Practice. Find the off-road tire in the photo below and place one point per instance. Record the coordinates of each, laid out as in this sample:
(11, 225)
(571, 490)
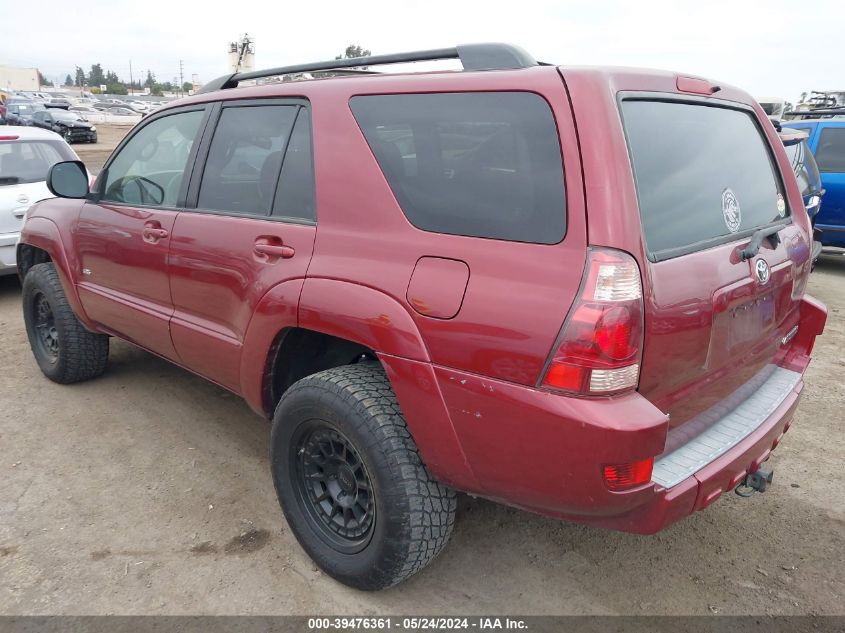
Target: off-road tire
(81, 354)
(414, 514)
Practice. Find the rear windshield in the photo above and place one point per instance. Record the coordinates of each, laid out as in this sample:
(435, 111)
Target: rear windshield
(29, 161)
(484, 164)
(703, 173)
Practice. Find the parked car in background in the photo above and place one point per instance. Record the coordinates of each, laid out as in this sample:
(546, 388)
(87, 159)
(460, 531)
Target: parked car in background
(83, 110)
(72, 127)
(806, 174)
(21, 111)
(62, 104)
(403, 271)
(121, 111)
(26, 155)
(826, 139)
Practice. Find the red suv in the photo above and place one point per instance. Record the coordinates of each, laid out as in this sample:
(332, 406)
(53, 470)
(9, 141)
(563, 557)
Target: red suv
(577, 291)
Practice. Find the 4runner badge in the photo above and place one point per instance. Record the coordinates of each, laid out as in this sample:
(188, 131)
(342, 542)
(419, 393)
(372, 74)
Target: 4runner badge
(762, 269)
(731, 211)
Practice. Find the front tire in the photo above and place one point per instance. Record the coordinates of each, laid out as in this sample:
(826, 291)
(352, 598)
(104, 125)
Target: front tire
(351, 482)
(65, 351)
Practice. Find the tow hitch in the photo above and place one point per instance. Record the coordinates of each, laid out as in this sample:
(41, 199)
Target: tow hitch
(758, 480)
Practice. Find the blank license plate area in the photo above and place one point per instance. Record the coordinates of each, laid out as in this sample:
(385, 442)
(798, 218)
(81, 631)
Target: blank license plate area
(749, 321)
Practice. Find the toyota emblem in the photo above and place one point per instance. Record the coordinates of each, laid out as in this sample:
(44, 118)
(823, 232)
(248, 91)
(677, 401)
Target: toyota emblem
(762, 269)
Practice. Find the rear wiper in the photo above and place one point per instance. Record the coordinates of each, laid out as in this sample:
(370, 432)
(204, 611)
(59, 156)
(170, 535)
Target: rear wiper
(757, 239)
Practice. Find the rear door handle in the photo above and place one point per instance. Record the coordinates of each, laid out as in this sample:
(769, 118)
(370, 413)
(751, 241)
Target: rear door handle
(275, 250)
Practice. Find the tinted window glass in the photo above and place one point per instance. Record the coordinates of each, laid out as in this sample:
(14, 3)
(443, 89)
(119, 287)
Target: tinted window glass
(295, 193)
(245, 158)
(149, 169)
(29, 161)
(702, 173)
(476, 164)
(830, 153)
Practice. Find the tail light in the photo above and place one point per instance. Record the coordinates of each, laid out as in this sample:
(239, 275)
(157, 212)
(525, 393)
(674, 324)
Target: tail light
(599, 348)
(631, 475)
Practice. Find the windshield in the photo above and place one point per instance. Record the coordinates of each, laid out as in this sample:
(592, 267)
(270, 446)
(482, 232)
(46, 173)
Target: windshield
(26, 108)
(29, 161)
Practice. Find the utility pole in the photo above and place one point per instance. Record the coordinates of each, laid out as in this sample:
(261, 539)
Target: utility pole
(130, 77)
(181, 77)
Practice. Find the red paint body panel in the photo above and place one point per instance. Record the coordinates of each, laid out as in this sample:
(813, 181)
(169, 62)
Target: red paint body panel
(124, 280)
(437, 287)
(465, 339)
(217, 281)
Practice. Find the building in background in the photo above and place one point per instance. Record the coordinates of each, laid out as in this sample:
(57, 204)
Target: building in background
(12, 78)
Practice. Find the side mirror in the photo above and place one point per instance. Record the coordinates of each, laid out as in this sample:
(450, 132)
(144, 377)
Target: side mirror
(68, 179)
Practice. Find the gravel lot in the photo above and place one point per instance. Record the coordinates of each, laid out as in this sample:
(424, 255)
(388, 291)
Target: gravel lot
(148, 491)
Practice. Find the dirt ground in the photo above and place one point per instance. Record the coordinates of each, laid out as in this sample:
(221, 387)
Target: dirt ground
(148, 491)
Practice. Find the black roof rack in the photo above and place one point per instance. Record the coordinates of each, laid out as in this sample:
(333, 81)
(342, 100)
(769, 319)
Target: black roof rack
(491, 56)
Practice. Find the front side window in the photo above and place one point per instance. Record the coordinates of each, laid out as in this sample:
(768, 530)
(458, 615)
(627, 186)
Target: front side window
(484, 164)
(245, 159)
(150, 168)
(830, 153)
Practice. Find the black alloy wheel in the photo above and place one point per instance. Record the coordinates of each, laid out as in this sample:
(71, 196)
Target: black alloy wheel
(333, 487)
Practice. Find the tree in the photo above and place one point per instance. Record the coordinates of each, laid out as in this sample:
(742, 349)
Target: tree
(80, 77)
(111, 78)
(68, 80)
(43, 81)
(187, 86)
(150, 80)
(116, 89)
(96, 77)
(354, 50)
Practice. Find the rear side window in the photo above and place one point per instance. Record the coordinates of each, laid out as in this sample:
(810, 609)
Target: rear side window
(703, 173)
(245, 159)
(295, 192)
(830, 153)
(484, 164)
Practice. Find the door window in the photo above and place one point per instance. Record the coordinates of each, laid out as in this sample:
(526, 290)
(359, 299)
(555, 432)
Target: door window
(295, 193)
(245, 159)
(150, 168)
(830, 154)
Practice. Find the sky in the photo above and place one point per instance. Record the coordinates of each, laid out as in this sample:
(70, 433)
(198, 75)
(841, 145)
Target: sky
(774, 48)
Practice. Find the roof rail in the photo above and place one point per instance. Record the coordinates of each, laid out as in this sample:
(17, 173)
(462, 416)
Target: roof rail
(816, 113)
(491, 56)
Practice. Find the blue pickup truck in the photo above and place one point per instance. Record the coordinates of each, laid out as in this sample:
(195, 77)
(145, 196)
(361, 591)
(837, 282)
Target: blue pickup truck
(827, 142)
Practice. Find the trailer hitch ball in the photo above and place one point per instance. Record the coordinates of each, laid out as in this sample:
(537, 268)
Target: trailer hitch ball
(757, 481)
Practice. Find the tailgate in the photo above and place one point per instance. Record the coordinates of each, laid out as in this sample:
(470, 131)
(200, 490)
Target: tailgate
(706, 182)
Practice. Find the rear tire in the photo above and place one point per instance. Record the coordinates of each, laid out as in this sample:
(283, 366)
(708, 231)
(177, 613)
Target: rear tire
(351, 482)
(65, 351)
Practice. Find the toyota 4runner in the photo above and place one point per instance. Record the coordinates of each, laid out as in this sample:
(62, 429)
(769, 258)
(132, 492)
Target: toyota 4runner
(578, 291)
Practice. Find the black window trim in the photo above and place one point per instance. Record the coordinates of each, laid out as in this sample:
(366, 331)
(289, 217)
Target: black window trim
(204, 147)
(566, 185)
(672, 97)
(95, 196)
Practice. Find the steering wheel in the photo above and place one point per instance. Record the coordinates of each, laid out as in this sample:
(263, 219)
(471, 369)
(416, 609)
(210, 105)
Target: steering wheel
(146, 189)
